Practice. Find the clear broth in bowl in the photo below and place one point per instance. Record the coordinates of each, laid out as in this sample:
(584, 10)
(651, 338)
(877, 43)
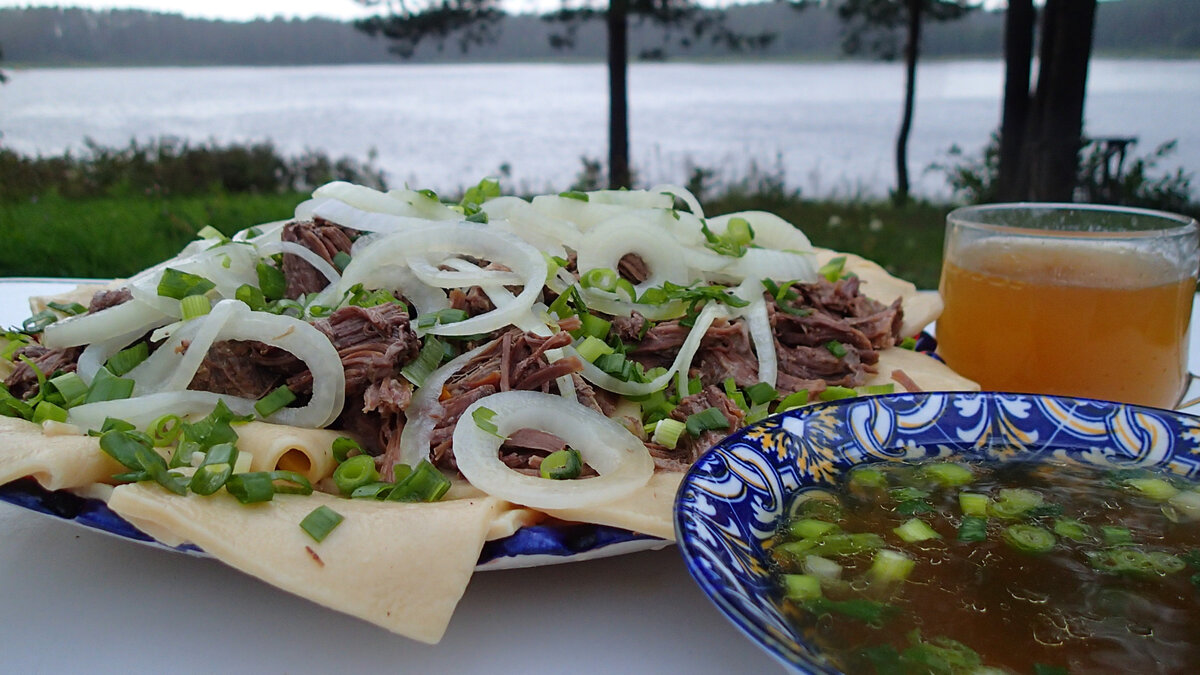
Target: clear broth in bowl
(1018, 567)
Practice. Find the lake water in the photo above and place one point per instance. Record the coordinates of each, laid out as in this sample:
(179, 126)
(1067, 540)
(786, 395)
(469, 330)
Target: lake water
(829, 127)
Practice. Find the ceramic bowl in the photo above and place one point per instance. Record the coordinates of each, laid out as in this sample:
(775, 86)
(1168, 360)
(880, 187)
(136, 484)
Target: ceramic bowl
(733, 496)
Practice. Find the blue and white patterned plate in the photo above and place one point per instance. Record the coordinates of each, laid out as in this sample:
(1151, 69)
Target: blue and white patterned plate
(735, 493)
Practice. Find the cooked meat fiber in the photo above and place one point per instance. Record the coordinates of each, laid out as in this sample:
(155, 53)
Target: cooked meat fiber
(690, 447)
(633, 268)
(102, 300)
(22, 382)
(321, 237)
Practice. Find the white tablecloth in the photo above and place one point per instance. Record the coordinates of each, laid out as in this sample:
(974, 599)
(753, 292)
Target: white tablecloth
(76, 600)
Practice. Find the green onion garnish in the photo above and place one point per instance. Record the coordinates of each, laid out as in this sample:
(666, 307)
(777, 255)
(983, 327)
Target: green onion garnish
(667, 432)
(706, 420)
(71, 387)
(867, 478)
(178, 284)
(947, 474)
(1069, 528)
(127, 359)
(38, 322)
(274, 401)
(320, 522)
(426, 362)
(252, 296)
(592, 348)
(194, 306)
(483, 420)
(972, 528)
(574, 194)
(1116, 536)
(340, 260)
(908, 343)
(270, 281)
(810, 528)
(595, 326)
(441, 317)
(761, 392)
(108, 387)
(973, 504)
(215, 470)
(68, 308)
(835, 393)
(354, 473)
(832, 270)
(1029, 538)
(424, 484)
(600, 278)
(165, 430)
(47, 411)
(343, 446)
(801, 587)
(794, 400)
(1013, 503)
(561, 465)
(252, 487)
(914, 530)
(890, 566)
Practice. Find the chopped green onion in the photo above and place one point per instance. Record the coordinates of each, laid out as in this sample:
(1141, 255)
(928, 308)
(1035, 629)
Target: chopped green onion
(320, 522)
(426, 362)
(890, 566)
(595, 326)
(178, 284)
(972, 528)
(625, 287)
(832, 270)
(483, 420)
(38, 322)
(127, 359)
(561, 465)
(1029, 538)
(424, 484)
(794, 400)
(1013, 503)
(908, 343)
(108, 387)
(810, 528)
(216, 468)
(166, 430)
(45, 410)
(1069, 528)
(343, 446)
(739, 231)
(1155, 489)
(877, 389)
(442, 317)
(835, 393)
(914, 530)
(71, 387)
(1116, 536)
(290, 483)
(836, 348)
(706, 420)
(667, 432)
(761, 392)
(867, 478)
(154, 465)
(270, 281)
(948, 474)
(274, 401)
(372, 491)
(1133, 562)
(973, 504)
(801, 587)
(593, 348)
(68, 308)
(210, 232)
(600, 278)
(868, 611)
(252, 296)
(340, 260)
(734, 395)
(251, 487)
(574, 194)
(194, 306)
(355, 473)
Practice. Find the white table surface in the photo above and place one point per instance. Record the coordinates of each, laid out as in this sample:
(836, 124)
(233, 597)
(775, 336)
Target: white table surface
(74, 600)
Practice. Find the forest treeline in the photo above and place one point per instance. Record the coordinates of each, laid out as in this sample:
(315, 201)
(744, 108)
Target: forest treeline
(51, 36)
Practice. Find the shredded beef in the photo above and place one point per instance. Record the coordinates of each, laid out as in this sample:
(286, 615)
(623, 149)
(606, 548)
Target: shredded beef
(22, 382)
(514, 361)
(632, 267)
(726, 352)
(689, 447)
(321, 237)
(229, 368)
(629, 328)
(102, 300)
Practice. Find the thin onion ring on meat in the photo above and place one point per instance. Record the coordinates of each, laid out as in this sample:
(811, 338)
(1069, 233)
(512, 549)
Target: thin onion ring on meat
(617, 455)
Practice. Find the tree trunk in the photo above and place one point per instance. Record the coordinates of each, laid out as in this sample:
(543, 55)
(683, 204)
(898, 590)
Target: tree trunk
(1018, 62)
(618, 101)
(1055, 134)
(911, 49)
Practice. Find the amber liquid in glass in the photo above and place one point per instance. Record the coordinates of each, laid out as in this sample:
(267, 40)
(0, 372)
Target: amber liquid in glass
(1075, 319)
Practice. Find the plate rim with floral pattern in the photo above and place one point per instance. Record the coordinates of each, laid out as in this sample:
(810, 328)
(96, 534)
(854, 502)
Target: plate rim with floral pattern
(732, 496)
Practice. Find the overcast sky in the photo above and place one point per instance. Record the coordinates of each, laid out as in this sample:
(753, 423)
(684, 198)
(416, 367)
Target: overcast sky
(240, 10)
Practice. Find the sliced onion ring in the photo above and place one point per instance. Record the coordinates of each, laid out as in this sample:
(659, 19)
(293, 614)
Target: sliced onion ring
(617, 455)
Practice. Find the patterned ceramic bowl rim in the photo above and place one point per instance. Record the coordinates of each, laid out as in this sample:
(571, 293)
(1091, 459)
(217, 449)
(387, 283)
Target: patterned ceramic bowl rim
(731, 498)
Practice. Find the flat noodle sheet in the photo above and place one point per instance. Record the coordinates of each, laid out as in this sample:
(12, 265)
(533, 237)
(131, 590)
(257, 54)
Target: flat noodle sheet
(57, 462)
(403, 567)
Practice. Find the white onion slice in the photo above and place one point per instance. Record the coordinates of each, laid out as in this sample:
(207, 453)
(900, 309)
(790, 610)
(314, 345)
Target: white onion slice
(770, 231)
(617, 455)
(604, 245)
(305, 254)
(368, 221)
(144, 410)
(363, 198)
(101, 326)
(414, 437)
(680, 192)
(473, 275)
